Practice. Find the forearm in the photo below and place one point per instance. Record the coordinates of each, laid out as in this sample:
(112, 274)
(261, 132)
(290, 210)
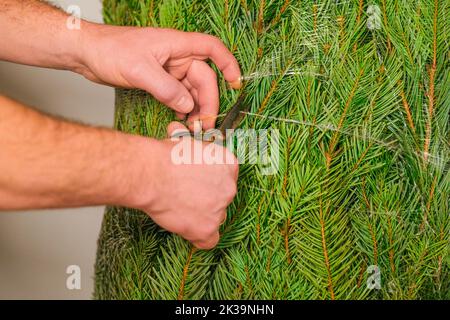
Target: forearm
(35, 33)
(50, 163)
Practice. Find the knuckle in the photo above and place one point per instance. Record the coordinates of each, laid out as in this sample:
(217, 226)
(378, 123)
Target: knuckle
(134, 71)
(209, 243)
(214, 40)
(217, 218)
(233, 190)
(215, 240)
(208, 229)
(235, 167)
(221, 217)
(230, 193)
(181, 229)
(216, 43)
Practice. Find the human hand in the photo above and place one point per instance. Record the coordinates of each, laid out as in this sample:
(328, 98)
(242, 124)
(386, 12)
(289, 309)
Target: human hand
(168, 64)
(187, 199)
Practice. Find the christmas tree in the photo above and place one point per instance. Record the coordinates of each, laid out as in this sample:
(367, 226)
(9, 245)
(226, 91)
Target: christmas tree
(358, 206)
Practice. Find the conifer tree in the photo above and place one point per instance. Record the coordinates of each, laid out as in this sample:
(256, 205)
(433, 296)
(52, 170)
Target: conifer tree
(359, 206)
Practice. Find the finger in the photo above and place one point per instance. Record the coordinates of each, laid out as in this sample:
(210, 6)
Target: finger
(154, 79)
(180, 116)
(204, 80)
(214, 49)
(175, 127)
(208, 244)
(185, 82)
(223, 217)
(194, 94)
(194, 115)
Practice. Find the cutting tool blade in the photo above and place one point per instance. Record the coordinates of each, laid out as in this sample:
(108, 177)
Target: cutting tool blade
(235, 116)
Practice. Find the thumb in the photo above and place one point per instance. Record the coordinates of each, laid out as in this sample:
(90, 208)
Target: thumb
(175, 128)
(164, 87)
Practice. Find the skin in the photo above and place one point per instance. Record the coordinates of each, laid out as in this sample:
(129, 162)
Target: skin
(52, 163)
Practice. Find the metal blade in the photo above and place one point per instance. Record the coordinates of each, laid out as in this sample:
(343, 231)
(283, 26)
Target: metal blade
(234, 116)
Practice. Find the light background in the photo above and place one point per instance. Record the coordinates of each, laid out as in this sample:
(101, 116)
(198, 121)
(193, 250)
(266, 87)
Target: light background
(36, 247)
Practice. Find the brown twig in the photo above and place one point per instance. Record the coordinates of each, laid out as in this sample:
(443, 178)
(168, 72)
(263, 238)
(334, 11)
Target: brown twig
(185, 273)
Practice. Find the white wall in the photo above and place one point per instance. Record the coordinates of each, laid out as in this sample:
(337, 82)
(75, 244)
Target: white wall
(36, 247)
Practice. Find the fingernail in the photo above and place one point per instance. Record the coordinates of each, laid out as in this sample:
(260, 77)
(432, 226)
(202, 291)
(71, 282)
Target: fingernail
(237, 84)
(185, 104)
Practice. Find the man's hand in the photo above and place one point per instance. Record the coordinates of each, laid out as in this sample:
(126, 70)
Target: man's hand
(188, 199)
(51, 163)
(168, 64)
(47, 163)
